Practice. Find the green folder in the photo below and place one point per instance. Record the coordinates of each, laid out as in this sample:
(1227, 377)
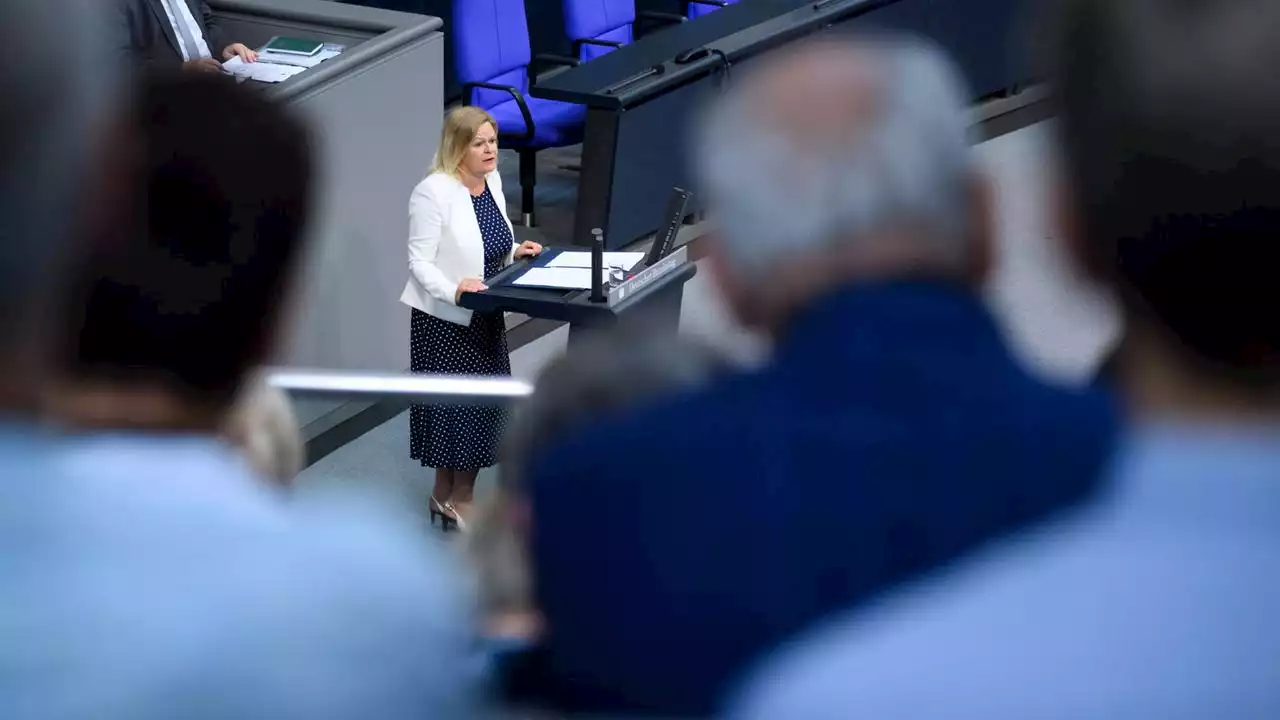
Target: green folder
(293, 46)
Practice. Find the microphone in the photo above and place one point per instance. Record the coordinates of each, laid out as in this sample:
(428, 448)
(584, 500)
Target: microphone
(597, 265)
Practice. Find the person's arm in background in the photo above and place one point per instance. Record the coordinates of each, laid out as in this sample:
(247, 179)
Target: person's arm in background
(129, 49)
(218, 45)
(133, 49)
(213, 35)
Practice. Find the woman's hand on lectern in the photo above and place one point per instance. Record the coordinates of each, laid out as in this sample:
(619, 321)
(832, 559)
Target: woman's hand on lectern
(528, 248)
(468, 285)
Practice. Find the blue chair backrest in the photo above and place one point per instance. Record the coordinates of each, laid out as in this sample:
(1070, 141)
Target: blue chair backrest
(491, 44)
(698, 9)
(609, 20)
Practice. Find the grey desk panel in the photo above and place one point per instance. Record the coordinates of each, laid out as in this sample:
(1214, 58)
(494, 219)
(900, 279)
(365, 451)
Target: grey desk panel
(377, 110)
(380, 130)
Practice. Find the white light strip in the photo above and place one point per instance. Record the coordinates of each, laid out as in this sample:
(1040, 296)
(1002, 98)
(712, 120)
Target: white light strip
(443, 389)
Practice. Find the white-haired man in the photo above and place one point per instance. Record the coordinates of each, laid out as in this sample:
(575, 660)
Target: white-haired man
(891, 432)
(1157, 599)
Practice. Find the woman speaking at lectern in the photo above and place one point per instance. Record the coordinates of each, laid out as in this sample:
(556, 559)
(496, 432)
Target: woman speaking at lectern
(459, 236)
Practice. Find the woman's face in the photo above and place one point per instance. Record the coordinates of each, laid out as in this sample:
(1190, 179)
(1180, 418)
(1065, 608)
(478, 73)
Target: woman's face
(482, 155)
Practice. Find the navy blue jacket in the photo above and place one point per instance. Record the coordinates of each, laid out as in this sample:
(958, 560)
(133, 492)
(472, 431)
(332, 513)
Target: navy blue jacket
(892, 433)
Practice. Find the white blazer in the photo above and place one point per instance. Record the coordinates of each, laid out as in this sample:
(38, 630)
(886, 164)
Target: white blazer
(445, 244)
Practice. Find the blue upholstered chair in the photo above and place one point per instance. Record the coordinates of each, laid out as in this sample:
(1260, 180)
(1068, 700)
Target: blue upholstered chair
(698, 8)
(495, 68)
(599, 26)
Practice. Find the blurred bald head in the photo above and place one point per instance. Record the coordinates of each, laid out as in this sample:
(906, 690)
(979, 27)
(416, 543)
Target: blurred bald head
(840, 147)
(53, 93)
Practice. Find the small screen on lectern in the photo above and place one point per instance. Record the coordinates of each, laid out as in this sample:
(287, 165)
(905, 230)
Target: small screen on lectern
(665, 239)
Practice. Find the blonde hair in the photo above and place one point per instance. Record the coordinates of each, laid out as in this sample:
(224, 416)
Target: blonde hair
(461, 125)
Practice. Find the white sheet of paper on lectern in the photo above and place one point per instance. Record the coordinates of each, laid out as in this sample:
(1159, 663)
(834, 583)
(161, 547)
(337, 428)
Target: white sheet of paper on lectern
(579, 259)
(567, 278)
(260, 71)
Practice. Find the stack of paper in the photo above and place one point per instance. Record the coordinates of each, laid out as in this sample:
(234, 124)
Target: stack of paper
(305, 61)
(577, 259)
(261, 71)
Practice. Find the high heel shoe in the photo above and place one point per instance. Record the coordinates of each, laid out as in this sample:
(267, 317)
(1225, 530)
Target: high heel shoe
(452, 512)
(448, 520)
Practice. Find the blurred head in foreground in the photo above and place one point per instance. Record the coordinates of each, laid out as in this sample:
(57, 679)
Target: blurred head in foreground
(52, 106)
(1170, 122)
(850, 162)
(184, 296)
(601, 377)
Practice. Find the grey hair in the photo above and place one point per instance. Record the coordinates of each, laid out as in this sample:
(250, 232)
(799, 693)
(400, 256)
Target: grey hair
(777, 195)
(55, 93)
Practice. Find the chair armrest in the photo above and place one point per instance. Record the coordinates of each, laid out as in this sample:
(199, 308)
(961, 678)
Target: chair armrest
(550, 60)
(577, 44)
(661, 18)
(712, 3)
(520, 103)
(650, 20)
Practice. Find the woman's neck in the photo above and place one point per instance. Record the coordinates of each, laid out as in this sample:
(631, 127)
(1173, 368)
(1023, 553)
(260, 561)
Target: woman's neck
(473, 183)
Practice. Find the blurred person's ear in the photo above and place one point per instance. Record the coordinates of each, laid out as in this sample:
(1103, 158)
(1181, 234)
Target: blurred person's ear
(983, 246)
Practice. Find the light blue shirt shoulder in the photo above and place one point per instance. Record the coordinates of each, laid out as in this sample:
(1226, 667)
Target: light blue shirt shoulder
(1160, 600)
(157, 578)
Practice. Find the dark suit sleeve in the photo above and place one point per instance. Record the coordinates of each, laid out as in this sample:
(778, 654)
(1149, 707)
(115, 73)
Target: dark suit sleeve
(126, 43)
(213, 34)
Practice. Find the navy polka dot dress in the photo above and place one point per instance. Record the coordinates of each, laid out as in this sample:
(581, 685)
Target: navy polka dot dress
(461, 437)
